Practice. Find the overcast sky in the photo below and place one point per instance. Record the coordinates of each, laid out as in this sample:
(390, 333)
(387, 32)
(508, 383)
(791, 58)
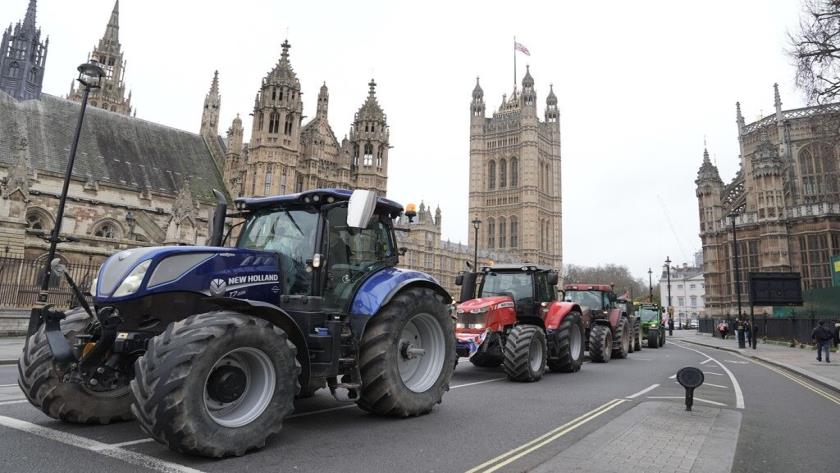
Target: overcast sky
(639, 86)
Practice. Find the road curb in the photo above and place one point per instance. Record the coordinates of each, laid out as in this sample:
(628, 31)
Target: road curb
(807, 374)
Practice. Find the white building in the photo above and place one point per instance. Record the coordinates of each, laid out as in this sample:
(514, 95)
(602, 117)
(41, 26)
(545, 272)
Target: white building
(688, 292)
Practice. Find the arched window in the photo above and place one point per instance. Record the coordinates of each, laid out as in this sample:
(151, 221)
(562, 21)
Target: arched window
(356, 156)
(514, 175)
(260, 121)
(818, 169)
(289, 125)
(274, 122)
(368, 159)
(491, 175)
(283, 181)
(14, 70)
(106, 230)
(502, 232)
(267, 182)
(35, 221)
(491, 233)
(502, 173)
(33, 75)
(379, 160)
(514, 232)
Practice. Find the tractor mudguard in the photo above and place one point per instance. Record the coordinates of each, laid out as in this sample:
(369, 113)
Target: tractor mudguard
(557, 311)
(614, 317)
(377, 290)
(278, 317)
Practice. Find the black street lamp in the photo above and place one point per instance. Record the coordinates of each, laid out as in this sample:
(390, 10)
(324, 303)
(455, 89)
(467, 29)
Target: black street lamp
(476, 223)
(741, 340)
(90, 76)
(670, 308)
(650, 285)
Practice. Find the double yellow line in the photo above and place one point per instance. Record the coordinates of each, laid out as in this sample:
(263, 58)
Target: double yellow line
(831, 397)
(519, 452)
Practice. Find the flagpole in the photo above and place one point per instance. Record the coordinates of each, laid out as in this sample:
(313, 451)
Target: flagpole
(514, 62)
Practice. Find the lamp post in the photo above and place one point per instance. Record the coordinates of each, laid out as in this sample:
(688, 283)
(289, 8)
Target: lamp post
(739, 324)
(90, 76)
(650, 285)
(476, 223)
(670, 308)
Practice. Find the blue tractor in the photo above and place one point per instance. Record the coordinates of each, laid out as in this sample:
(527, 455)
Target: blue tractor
(208, 346)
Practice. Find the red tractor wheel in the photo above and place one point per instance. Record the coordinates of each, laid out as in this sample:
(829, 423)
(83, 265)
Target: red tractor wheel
(621, 342)
(525, 353)
(600, 343)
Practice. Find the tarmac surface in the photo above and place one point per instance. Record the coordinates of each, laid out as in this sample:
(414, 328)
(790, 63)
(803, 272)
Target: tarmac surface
(749, 415)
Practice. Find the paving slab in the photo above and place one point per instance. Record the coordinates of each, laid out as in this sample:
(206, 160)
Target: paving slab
(656, 436)
(799, 360)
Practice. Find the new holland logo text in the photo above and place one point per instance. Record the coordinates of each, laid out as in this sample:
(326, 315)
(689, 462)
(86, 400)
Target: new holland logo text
(252, 278)
(236, 285)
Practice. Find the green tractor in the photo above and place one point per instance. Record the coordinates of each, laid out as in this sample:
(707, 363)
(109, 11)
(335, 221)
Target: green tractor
(652, 324)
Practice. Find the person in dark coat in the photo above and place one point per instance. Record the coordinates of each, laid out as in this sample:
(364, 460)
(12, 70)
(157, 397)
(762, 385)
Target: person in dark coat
(823, 337)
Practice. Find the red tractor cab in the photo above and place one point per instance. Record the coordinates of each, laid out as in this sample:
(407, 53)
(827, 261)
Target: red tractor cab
(510, 315)
(610, 331)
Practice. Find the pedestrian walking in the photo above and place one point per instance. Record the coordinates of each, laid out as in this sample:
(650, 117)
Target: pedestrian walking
(748, 332)
(723, 329)
(823, 337)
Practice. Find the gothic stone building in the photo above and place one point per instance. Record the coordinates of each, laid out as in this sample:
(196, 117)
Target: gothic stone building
(786, 196)
(515, 176)
(22, 58)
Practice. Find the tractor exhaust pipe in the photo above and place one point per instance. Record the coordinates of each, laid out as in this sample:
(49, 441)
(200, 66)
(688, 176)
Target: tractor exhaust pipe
(217, 224)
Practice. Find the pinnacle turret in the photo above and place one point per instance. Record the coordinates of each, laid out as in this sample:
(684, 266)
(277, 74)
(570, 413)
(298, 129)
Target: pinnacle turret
(29, 19)
(323, 102)
(708, 172)
(478, 92)
(527, 81)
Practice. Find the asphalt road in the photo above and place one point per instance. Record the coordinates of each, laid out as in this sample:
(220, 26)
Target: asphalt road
(788, 424)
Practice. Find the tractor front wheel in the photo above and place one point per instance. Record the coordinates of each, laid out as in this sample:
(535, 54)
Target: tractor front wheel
(653, 339)
(600, 343)
(68, 401)
(569, 340)
(406, 355)
(637, 335)
(216, 384)
(622, 340)
(525, 353)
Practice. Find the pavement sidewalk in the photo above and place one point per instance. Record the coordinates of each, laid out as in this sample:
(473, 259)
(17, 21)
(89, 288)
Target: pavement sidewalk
(802, 361)
(10, 349)
(656, 437)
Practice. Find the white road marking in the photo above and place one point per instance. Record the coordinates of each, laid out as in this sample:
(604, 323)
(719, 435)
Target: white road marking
(475, 383)
(739, 395)
(13, 401)
(716, 385)
(8, 385)
(683, 397)
(673, 376)
(643, 391)
(737, 362)
(705, 361)
(713, 373)
(128, 456)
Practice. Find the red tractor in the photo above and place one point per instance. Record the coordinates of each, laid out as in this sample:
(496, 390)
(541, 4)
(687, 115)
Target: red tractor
(610, 333)
(509, 315)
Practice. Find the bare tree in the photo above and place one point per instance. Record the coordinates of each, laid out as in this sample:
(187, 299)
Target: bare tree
(609, 274)
(816, 50)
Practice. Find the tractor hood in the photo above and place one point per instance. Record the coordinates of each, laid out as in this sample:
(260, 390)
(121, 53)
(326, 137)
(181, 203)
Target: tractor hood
(211, 271)
(483, 304)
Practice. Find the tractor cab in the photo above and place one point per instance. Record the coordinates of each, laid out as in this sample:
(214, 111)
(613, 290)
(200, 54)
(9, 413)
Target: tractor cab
(526, 290)
(599, 298)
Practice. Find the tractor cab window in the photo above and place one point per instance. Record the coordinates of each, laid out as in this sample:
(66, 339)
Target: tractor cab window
(592, 299)
(352, 254)
(545, 292)
(648, 315)
(290, 234)
(518, 284)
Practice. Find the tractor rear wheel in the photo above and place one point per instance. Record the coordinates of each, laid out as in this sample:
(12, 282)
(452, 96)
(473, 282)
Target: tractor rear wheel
(406, 355)
(525, 353)
(70, 402)
(621, 342)
(490, 353)
(569, 341)
(216, 384)
(662, 339)
(653, 339)
(637, 335)
(631, 347)
(600, 343)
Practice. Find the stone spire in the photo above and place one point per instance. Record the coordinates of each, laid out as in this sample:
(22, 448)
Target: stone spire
(323, 102)
(777, 101)
(210, 114)
(708, 172)
(552, 113)
(477, 106)
(739, 119)
(22, 58)
(112, 30)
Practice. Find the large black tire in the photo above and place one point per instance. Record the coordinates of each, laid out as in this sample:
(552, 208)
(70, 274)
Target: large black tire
(600, 343)
(653, 339)
(662, 339)
(569, 345)
(383, 390)
(637, 335)
(490, 353)
(525, 353)
(631, 347)
(171, 383)
(621, 342)
(70, 402)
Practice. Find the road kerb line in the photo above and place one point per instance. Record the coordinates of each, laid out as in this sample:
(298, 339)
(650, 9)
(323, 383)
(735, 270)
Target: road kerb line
(544, 439)
(801, 382)
(643, 391)
(739, 395)
(128, 456)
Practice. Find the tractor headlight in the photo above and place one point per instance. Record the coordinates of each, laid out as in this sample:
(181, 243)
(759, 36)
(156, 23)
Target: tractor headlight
(477, 326)
(131, 283)
(480, 310)
(459, 325)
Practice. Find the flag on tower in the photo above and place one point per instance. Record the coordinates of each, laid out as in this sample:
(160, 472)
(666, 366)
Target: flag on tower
(521, 47)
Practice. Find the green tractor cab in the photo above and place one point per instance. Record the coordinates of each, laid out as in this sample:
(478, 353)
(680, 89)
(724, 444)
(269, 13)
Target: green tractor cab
(652, 324)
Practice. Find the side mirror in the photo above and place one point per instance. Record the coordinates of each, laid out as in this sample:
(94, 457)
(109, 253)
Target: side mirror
(217, 221)
(553, 278)
(468, 280)
(459, 280)
(360, 208)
